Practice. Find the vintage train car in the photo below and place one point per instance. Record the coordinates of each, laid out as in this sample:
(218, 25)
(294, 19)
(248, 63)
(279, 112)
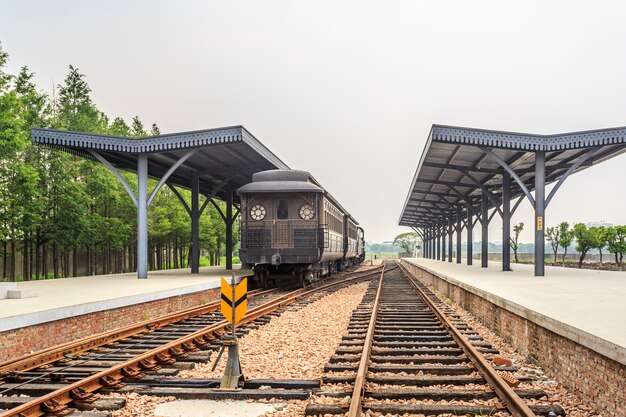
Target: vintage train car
(292, 227)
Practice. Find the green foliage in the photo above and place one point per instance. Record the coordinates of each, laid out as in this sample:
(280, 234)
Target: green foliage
(616, 243)
(406, 241)
(585, 240)
(566, 237)
(57, 205)
(553, 235)
(517, 229)
(601, 240)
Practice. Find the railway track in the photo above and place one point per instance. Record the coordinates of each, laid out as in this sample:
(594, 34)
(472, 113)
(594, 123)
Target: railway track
(56, 381)
(406, 352)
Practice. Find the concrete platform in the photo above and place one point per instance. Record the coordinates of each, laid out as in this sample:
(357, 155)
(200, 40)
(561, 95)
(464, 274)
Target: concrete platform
(586, 306)
(68, 297)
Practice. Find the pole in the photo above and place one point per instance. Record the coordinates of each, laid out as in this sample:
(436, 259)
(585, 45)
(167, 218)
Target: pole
(229, 230)
(438, 242)
(458, 234)
(506, 221)
(449, 239)
(232, 284)
(195, 223)
(470, 239)
(443, 242)
(142, 216)
(485, 231)
(540, 221)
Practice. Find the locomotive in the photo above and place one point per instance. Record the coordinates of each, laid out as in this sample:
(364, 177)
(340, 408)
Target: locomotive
(292, 227)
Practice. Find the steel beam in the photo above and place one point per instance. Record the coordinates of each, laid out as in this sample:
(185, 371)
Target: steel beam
(229, 230)
(142, 216)
(458, 234)
(438, 242)
(443, 241)
(506, 221)
(449, 239)
(540, 221)
(195, 223)
(484, 217)
(470, 238)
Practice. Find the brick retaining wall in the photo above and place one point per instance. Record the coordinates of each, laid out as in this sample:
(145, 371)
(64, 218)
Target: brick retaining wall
(21, 341)
(594, 377)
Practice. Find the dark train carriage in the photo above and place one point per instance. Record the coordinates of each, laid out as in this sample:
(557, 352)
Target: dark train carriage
(290, 226)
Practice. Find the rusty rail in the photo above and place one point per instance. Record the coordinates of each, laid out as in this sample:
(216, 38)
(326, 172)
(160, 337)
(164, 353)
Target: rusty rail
(56, 401)
(513, 402)
(356, 406)
(58, 352)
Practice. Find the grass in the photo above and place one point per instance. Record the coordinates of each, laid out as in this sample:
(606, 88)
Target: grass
(205, 261)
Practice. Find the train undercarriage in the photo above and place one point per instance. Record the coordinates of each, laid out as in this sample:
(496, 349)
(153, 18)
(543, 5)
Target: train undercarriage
(268, 276)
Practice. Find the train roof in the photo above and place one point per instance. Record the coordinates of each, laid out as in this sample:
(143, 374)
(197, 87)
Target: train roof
(288, 180)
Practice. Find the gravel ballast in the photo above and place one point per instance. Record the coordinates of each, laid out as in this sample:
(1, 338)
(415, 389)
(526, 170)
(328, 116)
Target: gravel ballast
(295, 345)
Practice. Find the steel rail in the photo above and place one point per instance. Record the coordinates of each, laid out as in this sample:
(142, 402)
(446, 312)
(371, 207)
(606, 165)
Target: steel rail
(58, 352)
(112, 376)
(356, 405)
(513, 402)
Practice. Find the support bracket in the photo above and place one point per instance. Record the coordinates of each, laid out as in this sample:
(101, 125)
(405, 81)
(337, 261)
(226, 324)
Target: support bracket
(169, 173)
(115, 172)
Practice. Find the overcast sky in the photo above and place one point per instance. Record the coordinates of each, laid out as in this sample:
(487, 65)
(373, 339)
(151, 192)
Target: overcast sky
(348, 90)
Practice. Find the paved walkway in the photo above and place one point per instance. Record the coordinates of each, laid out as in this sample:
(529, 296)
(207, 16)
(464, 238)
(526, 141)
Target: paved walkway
(66, 297)
(584, 305)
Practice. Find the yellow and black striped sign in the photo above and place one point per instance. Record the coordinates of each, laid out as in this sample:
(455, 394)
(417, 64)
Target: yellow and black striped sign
(234, 300)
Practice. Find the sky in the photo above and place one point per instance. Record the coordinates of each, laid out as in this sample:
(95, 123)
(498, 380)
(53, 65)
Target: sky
(348, 90)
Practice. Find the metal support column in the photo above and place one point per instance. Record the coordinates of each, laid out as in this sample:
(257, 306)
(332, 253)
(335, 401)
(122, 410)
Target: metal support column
(458, 234)
(425, 253)
(470, 238)
(430, 243)
(195, 223)
(229, 230)
(484, 214)
(443, 242)
(540, 221)
(449, 239)
(438, 242)
(506, 221)
(142, 216)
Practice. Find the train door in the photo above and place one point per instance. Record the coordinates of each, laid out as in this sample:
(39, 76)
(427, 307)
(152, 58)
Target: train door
(282, 228)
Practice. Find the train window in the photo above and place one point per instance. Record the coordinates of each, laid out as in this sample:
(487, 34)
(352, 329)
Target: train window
(283, 210)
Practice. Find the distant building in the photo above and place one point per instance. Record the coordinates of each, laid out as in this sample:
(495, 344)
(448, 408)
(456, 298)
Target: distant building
(599, 224)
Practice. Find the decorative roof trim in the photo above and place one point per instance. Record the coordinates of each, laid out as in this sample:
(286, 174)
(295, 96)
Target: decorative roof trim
(528, 142)
(184, 140)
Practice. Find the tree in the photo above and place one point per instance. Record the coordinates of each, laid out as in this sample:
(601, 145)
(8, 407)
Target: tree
(553, 235)
(517, 229)
(155, 131)
(566, 237)
(406, 241)
(585, 240)
(616, 242)
(137, 129)
(601, 240)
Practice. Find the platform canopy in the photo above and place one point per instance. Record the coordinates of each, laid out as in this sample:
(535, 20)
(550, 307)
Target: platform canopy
(212, 162)
(466, 172)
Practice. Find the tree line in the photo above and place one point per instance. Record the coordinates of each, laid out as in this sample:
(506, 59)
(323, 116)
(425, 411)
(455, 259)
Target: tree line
(609, 238)
(58, 210)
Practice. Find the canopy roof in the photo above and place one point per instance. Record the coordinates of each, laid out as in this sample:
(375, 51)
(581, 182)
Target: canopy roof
(458, 163)
(228, 155)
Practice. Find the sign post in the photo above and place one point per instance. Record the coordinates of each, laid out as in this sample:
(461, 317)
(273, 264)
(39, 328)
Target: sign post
(234, 306)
